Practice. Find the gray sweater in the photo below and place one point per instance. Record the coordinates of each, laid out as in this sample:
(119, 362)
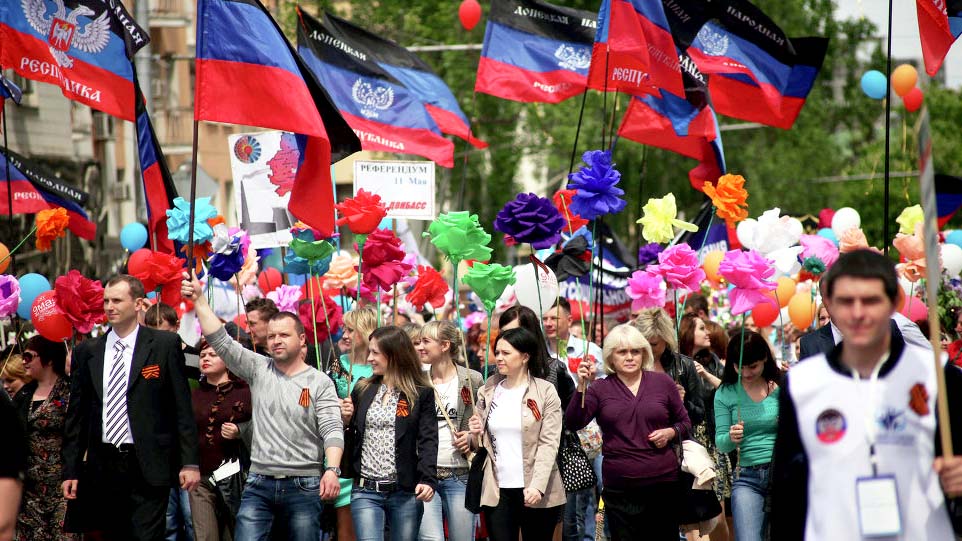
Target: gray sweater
(289, 439)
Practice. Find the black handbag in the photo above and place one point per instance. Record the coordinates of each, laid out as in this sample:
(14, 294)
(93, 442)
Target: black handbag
(472, 492)
(577, 472)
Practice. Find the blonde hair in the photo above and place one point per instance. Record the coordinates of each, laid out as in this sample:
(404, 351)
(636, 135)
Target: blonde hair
(363, 320)
(655, 323)
(445, 331)
(14, 369)
(627, 336)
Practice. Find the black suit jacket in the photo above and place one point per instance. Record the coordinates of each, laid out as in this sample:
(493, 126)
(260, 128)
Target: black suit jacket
(161, 418)
(815, 342)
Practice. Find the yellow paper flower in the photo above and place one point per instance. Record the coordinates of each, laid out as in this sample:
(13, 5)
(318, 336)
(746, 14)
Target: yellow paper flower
(909, 218)
(658, 218)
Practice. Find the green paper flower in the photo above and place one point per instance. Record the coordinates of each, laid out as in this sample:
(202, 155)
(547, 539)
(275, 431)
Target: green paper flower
(814, 266)
(489, 281)
(312, 251)
(459, 236)
(909, 218)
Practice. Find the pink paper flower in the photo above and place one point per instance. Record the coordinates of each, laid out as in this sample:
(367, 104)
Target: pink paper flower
(912, 250)
(286, 298)
(749, 273)
(9, 295)
(679, 267)
(647, 290)
(820, 247)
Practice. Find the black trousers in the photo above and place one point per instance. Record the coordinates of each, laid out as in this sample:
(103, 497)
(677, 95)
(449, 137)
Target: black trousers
(511, 516)
(130, 508)
(650, 511)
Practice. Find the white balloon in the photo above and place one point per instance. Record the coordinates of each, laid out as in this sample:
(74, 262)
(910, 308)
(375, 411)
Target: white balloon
(795, 228)
(845, 218)
(951, 259)
(745, 231)
(526, 288)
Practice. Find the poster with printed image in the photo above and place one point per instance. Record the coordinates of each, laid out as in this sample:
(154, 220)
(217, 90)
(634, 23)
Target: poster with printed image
(263, 166)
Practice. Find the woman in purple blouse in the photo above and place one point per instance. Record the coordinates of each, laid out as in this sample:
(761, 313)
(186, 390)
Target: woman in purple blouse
(640, 413)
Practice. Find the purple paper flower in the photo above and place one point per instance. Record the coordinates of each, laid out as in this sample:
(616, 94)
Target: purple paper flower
(649, 253)
(647, 290)
(820, 247)
(749, 272)
(9, 295)
(596, 182)
(679, 267)
(224, 265)
(532, 219)
(286, 297)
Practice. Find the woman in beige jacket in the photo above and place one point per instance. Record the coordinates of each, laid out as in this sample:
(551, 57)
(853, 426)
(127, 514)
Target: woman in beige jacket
(518, 419)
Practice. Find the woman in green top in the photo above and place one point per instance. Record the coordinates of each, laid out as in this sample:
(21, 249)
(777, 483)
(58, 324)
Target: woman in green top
(358, 326)
(746, 417)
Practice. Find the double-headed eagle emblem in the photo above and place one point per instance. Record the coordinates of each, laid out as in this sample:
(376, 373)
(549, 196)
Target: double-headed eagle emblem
(372, 99)
(572, 58)
(64, 30)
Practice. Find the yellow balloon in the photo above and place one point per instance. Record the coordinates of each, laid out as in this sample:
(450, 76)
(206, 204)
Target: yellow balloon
(4, 252)
(904, 78)
(785, 290)
(801, 310)
(711, 263)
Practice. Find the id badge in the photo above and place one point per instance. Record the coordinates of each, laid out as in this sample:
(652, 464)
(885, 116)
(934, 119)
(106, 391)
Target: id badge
(878, 506)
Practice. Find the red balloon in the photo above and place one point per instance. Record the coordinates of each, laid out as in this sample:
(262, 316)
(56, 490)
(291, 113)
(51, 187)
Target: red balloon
(48, 319)
(136, 263)
(913, 100)
(470, 14)
(765, 313)
(269, 280)
(241, 321)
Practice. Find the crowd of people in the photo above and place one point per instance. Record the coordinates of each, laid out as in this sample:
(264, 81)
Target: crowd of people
(664, 427)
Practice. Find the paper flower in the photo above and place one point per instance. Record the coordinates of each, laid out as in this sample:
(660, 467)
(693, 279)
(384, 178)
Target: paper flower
(315, 250)
(163, 271)
(178, 220)
(326, 325)
(367, 293)
(572, 261)
(819, 247)
(459, 236)
(679, 267)
(532, 219)
(658, 219)
(728, 195)
(776, 237)
(825, 218)
(646, 289)
(909, 218)
(342, 271)
(81, 300)
(649, 253)
(430, 288)
(489, 281)
(286, 297)
(749, 272)
(853, 239)
(912, 250)
(247, 273)
(562, 201)
(51, 224)
(597, 193)
(10, 295)
(228, 262)
(220, 240)
(383, 260)
(361, 213)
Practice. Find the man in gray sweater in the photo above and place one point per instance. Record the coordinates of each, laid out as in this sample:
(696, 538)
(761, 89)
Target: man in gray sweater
(297, 425)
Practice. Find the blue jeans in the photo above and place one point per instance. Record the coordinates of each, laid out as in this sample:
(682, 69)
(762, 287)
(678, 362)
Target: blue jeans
(448, 502)
(294, 501)
(180, 526)
(748, 502)
(575, 514)
(369, 508)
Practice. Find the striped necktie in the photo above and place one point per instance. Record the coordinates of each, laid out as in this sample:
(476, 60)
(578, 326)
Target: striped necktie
(115, 405)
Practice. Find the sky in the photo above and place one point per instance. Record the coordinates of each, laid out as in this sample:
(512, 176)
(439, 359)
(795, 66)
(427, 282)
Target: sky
(905, 33)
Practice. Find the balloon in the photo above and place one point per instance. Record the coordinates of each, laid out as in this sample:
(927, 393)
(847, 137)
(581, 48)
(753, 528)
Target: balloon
(765, 313)
(745, 231)
(845, 218)
(915, 309)
(31, 286)
(904, 78)
(4, 252)
(133, 236)
(470, 13)
(828, 234)
(527, 290)
(874, 84)
(711, 263)
(913, 100)
(955, 238)
(951, 259)
(785, 290)
(48, 319)
(801, 310)
(269, 280)
(137, 260)
(241, 321)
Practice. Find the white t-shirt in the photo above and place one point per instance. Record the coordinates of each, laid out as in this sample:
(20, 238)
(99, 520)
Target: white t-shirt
(448, 455)
(504, 426)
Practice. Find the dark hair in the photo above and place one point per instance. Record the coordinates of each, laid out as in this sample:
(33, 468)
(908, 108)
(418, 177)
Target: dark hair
(756, 349)
(161, 313)
(529, 321)
(564, 304)
(49, 352)
(298, 325)
(864, 264)
(686, 334)
(265, 306)
(696, 303)
(526, 342)
(136, 286)
(404, 365)
(719, 339)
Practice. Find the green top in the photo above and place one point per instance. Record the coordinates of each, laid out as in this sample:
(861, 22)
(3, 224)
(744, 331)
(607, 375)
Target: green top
(340, 382)
(761, 423)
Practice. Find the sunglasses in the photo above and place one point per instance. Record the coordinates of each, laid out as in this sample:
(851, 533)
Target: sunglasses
(28, 356)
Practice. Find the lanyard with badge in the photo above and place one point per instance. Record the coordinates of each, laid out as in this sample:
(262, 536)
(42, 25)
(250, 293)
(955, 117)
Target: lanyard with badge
(876, 495)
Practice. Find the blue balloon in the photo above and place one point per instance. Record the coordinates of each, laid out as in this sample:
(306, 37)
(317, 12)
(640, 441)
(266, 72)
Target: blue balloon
(31, 286)
(133, 236)
(151, 294)
(828, 234)
(386, 223)
(955, 237)
(874, 84)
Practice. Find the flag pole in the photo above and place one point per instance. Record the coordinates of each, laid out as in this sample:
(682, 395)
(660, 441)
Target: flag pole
(6, 161)
(193, 196)
(888, 120)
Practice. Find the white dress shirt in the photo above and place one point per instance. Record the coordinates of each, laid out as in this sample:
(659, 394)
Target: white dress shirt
(127, 358)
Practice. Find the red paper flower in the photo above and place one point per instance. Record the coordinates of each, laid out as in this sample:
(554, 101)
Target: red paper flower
(562, 201)
(382, 263)
(361, 213)
(325, 326)
(162, 270)
(81, 300)
(430, 288)
(51, 224)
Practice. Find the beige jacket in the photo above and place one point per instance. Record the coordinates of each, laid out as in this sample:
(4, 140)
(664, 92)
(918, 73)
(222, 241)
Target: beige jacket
(539, 445)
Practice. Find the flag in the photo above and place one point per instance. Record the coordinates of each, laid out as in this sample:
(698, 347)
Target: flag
(382, 111)
(35, 189)
(412, 72)
(83, 46)
(940, 24)
(248, 73)
(8, 90)
(159, 190)
(948, 197)
(535, 51)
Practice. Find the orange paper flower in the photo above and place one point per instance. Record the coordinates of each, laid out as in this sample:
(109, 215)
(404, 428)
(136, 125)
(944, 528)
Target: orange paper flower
(854, 239)
(729, 195)
(912, 249)
(51, 224)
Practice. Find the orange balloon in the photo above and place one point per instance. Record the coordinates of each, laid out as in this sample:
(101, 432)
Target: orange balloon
(785, 290)
(904, 78)
(4, 253)
(711, 263)
(801, 310)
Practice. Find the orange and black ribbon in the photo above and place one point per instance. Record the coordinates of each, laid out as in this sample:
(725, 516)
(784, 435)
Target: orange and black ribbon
(465, 395)
(305, 399)
(402, 408)
(533, 406)
(919, 400)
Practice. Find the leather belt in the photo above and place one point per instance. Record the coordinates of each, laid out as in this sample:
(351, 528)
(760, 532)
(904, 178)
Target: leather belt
(376, 486)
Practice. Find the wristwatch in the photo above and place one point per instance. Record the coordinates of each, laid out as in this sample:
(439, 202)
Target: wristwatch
(335, 469)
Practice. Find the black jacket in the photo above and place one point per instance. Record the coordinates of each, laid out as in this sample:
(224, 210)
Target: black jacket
(681, 369)
(815, 342)
(415, 435)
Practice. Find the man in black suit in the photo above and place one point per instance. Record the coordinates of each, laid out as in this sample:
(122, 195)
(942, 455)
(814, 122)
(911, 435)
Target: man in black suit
(130, 414)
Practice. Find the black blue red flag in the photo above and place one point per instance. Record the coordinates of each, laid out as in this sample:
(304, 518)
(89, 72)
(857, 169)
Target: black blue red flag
(248, 73)
(159, 189)
(535, 51)
(9, 91)
(948, 197)
(35, 189)
(940, 24)
(83, 46)
(412, 72)
(383, 112)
